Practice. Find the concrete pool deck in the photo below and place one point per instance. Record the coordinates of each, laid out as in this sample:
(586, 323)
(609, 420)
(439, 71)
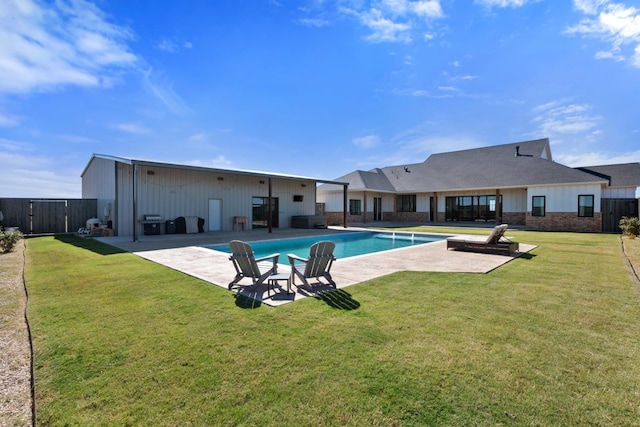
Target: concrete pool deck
(184, 253)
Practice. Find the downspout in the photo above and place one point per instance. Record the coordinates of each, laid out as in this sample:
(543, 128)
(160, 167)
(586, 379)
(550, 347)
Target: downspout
(270, 208)
(344, 206)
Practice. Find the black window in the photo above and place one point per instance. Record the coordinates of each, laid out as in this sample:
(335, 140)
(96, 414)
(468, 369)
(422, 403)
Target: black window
(585, 205)
(472, 208)
(538, 205)
(406, 203)
(354, 207)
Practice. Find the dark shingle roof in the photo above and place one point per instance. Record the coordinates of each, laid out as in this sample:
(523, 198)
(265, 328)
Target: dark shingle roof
(497, 166)
(622, 175)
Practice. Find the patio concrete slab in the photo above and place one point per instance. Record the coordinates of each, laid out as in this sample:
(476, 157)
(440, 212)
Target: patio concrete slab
(185, 255)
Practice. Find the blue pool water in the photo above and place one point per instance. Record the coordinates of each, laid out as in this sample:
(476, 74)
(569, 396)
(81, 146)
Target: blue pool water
(347, 244)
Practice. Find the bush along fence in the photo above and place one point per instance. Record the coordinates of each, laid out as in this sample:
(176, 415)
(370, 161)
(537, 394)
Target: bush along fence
(46, 216)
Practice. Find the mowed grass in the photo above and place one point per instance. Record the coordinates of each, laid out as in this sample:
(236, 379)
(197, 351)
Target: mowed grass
(549, 339)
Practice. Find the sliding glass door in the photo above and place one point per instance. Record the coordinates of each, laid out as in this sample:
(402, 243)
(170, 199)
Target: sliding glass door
(260, 212)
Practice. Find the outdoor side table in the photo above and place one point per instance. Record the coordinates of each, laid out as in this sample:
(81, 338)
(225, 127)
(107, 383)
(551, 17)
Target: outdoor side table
(275, 278)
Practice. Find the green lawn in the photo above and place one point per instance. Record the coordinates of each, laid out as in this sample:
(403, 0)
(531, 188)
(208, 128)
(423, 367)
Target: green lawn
(549, 339)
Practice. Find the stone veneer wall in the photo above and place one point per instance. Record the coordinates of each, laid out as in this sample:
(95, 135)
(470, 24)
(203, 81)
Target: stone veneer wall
(335, 218)
(554, 221)
(565, 221)
(515, 218)
(406, 216)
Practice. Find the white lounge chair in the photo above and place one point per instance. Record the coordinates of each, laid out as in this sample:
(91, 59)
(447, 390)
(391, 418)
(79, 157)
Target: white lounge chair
(248, 266)
(316, 266)
(493, 243)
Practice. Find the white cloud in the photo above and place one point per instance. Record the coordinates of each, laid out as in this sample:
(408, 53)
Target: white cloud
(219, 162)
(198, 137)
(429, 9)
(162, 90)
(608, 55)
(171, 46)
(313, 22)
(46, 45)
(9, 145)
(133, 128)
(167, 46)
(636, 57)
(9, 120)
(395, 20)
(614, 23)
(589, 6)
(384, 29)
(77, 139)
(366, 142)
(417, 144)
(24, 172)
(556, 117)
(449, 89)
(502, 3)
(596, 158)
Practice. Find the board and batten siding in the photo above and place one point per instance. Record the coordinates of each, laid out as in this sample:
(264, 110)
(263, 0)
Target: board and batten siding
(620, 193)
(122, 221)
(565, 198)
(334, 201)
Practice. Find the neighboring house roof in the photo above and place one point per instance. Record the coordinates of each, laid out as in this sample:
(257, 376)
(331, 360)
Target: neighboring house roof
(518, 164)
(622, 175)
(152, 163)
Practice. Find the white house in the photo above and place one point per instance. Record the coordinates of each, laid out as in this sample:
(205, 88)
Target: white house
(517, 183)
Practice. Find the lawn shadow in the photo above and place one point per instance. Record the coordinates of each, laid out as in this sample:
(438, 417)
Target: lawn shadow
(338, 299)
(526, 255)
(89, 244)
(247, 301)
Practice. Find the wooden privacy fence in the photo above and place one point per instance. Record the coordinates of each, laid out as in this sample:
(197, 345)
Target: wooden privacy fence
(613, 210)
(46, 216)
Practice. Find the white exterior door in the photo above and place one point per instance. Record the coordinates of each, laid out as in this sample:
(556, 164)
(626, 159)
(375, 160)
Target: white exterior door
(215, 214)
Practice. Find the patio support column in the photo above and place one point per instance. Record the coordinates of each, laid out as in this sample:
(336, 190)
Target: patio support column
(134, 194)
(270, 217)
(344, 205)
(364, 217)
(435, 205)
(498, 206)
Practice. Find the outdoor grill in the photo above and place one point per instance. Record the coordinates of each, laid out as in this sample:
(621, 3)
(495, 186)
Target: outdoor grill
(151, 224)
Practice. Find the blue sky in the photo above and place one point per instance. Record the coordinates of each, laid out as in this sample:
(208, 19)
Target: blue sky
(315, 88)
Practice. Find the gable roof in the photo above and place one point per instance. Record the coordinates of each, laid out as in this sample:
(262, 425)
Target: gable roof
(621, 175)
(518, 164)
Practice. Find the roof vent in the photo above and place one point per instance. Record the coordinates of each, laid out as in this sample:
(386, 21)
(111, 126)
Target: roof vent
(517, 151)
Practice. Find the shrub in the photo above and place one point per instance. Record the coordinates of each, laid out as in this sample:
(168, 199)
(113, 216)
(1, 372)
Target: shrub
(630, 226)
(8, 240)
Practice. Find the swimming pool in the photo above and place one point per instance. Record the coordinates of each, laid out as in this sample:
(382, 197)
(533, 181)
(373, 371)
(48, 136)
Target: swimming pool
(348, 244)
